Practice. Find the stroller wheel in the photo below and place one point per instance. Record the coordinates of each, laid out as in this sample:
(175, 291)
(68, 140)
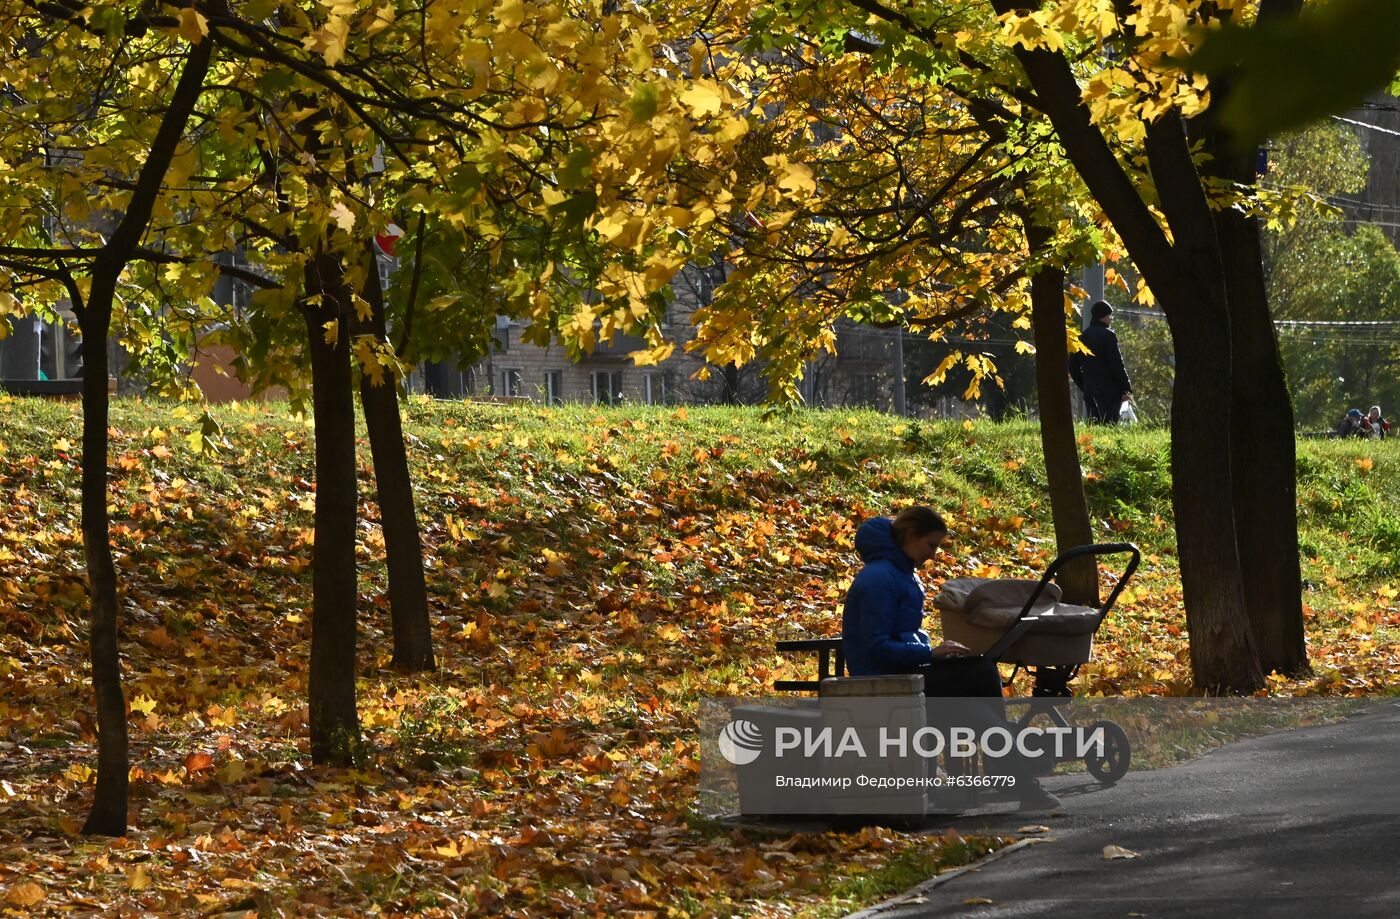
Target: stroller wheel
(1112, 765)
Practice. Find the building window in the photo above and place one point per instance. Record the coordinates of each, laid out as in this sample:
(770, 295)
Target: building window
(607, 386)
(655, 388)
(553, 387)
(511, 383)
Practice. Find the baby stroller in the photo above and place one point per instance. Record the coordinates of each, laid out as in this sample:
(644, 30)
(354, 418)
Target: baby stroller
(1026, 623)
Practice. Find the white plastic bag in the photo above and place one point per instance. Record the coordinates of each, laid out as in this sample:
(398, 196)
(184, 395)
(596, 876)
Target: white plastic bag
(1126, 415)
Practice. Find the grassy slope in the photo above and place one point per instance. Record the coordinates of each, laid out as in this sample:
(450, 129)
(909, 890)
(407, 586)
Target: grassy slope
(593, 573)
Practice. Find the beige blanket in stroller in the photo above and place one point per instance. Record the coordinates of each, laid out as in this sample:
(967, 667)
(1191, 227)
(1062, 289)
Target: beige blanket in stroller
(978, 611)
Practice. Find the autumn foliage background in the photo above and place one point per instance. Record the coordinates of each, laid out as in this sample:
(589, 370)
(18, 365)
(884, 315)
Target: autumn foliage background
(593, 574)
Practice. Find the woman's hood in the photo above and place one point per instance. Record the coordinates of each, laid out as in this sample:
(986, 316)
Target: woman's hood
(875, 542)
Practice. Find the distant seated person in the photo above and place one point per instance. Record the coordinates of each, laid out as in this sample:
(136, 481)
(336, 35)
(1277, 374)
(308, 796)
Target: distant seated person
(882, 625)
(1351, 424)
(1375, 425)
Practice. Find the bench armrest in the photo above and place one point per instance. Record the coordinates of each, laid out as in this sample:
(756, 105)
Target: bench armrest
(824, 648)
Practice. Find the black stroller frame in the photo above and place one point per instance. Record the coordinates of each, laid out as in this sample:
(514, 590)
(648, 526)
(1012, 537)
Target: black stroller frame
(1050, 693)
(1051, 682)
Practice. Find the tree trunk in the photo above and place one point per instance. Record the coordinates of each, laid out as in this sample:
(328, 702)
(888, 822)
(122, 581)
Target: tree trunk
(335, 722)
(1080, 578)
(998, 406)
(1262, 447)
(1223, 658)
(403, 546)
(1187, 280)
(729, 375)
(109, 804)
(1223, 655)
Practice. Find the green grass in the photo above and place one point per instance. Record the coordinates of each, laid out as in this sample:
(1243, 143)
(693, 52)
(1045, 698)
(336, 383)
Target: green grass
(691, 539)
(1349, 523)
(847, 892)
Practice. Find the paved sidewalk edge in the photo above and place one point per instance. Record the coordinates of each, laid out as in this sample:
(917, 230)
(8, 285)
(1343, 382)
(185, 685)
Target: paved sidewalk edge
(938, 879)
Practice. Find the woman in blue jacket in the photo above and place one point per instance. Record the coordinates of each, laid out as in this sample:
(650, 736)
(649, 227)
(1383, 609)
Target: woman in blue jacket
(882, 625)
(882, 628)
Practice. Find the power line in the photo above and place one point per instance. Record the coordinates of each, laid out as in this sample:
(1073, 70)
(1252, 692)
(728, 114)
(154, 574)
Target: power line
(1320, 323)
(1359, 203)
(1367, 125)
(1350, 323)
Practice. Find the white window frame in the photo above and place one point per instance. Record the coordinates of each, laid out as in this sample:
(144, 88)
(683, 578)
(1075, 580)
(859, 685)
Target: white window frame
(613, 384)
(553, 387)
(654, 388)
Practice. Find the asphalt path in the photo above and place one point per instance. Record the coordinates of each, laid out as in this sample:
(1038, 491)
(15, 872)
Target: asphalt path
(1302, 823)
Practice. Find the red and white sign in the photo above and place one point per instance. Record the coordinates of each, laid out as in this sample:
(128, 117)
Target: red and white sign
(388, 240)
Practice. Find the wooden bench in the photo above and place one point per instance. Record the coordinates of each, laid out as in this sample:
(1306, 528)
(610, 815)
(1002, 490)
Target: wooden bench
(831, 661)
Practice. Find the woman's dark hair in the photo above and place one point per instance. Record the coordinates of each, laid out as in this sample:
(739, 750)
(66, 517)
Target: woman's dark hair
(915, 522)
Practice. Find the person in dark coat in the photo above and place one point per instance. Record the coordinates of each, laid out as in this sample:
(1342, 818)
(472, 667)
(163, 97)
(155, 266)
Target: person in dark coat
(882, 626)
(1352, 424)
(1101, 375)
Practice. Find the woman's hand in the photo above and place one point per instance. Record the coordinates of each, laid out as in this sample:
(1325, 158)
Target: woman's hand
(951, 648)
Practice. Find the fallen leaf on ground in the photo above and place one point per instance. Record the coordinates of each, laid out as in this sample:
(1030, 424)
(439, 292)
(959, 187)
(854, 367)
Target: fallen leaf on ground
(1112, 852)
(24, 895)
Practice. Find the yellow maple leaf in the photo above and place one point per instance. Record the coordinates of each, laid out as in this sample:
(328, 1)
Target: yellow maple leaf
(193, 26)
(509, 15)
(732, 130)
(368, 358)
(139, 879)
(363, 310)
(380, 20)
(330, 40)
(343, 216)
(703, 99)
(233, 772)
(797, 179)
(699, 52)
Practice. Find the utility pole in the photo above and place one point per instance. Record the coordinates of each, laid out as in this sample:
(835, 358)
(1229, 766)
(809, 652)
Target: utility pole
(1093, 290)
(900, 408)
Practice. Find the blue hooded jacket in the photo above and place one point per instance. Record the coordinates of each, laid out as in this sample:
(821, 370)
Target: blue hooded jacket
(884, 614)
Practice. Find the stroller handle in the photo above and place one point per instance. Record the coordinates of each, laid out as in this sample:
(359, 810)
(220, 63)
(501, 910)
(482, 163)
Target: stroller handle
(1023, 624)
